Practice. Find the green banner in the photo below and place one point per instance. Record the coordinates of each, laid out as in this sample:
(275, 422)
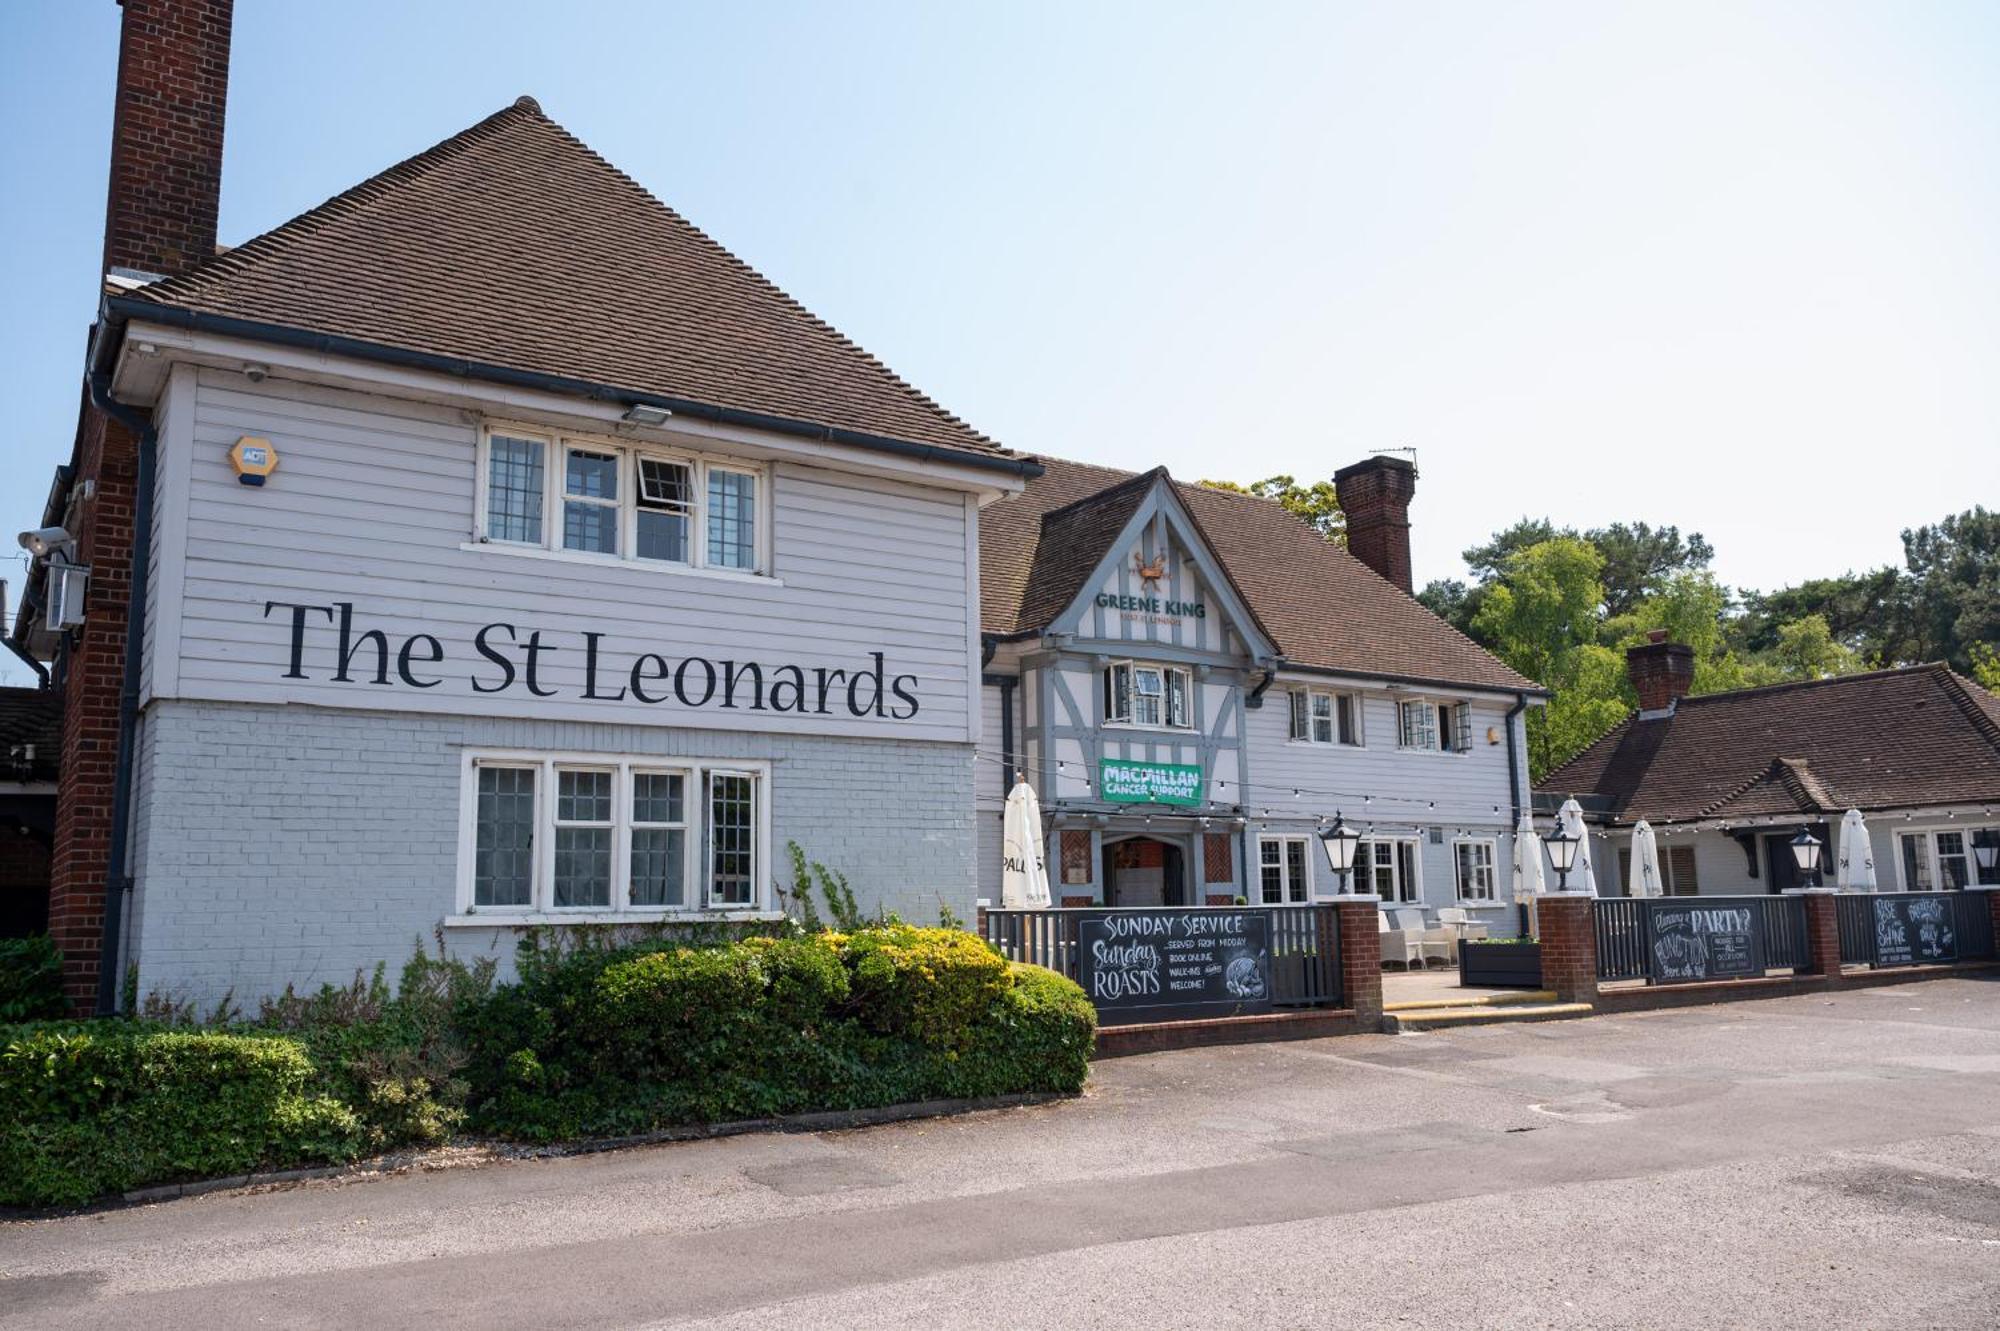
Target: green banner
(1148, 783)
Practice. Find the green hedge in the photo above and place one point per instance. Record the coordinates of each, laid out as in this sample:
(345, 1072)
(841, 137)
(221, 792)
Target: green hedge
(86, 1111)
(30, 979)
(611, 1042)
(592, 1040)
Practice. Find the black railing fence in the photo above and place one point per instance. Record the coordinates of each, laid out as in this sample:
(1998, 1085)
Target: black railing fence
(1860, 939)
(1304, 940)
(1625, 931)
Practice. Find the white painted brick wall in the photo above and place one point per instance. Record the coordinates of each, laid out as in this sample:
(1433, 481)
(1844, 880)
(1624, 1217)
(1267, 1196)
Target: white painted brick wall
(295, 844)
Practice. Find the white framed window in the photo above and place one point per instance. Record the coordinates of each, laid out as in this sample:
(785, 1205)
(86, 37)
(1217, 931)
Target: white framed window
(1942, 859)
(1472, 861)
(1142, 694)
(610, 500)
(1389, 868)
(1321, 716)
(1282, 875)
(586, 837)
(1431, 726)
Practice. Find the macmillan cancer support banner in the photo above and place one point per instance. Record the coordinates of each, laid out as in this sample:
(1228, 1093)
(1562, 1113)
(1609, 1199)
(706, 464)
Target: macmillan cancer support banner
(1122, 782)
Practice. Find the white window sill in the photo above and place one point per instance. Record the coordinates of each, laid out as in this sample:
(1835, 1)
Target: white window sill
(1141, 728)
(613, 561)
(500, 919)
(1329, 744)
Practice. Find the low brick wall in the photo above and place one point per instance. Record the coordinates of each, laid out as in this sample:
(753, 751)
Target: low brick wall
(1635, 996)
(1158, 1036)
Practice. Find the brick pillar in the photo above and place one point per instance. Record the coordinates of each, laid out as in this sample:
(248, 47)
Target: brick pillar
(1822, 930)
(1361, 957)
(92, 670)
(1569, 945)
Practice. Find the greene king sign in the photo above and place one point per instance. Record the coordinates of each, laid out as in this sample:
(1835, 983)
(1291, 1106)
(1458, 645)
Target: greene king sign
(1148, 783)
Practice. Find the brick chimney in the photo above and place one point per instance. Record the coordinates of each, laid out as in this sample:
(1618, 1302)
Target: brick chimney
(159, 217)
(166, 135)
(1661, 672)
(1375, 496)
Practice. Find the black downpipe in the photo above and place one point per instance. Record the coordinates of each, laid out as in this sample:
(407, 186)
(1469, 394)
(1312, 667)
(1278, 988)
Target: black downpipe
(41, 671)
(1007, 687)
(116, 880)
(1255, 699)
(1514, 788)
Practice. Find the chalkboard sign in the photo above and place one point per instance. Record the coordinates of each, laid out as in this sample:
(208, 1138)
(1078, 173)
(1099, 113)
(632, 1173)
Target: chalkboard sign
(1142, 965)
(1706, 943)
(1914, 930)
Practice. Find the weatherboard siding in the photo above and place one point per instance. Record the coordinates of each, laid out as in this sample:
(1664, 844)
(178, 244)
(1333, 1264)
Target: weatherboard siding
(1467, 788)
(374, 498)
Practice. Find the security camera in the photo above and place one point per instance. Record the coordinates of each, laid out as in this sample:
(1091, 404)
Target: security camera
(256, 373)
(40, 542)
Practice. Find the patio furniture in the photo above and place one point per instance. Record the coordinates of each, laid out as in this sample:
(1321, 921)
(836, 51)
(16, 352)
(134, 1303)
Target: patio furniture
(1460, 919)
(1432, 942)
(1399, 945)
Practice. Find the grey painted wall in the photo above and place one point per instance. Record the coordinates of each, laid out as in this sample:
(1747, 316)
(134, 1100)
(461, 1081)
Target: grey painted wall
(374, 498)
(296, 844)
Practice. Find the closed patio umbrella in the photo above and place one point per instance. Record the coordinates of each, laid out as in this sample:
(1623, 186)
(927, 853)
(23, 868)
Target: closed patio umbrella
(1527, 862)
(1581, 879)
(1024, 876)
(1855, 870)
(1646, 881)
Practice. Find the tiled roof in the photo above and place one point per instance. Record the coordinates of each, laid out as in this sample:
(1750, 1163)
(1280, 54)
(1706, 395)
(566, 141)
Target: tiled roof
(513, 244)
(1325, 609)
(29, 717)
(1917, 737)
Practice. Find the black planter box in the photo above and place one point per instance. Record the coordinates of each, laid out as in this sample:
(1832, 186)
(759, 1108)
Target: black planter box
(1500, 965)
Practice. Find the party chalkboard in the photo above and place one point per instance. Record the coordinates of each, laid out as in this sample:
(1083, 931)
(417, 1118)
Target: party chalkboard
(1911, 930)
(1140, 965)
(1706, 943)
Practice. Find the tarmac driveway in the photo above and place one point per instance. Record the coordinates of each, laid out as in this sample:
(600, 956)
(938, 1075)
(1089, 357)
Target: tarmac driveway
(1804, 1161)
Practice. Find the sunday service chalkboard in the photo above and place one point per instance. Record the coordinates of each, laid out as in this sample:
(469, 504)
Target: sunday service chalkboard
(1913, 930)
(1706, 943)
(1141, 965)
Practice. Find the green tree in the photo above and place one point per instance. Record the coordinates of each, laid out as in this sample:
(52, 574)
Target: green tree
(1986, 666)
(1807, 649)
(1639, 559)
(1541, 616)
(1954, 586)
(1864, 611)
(1316, 504)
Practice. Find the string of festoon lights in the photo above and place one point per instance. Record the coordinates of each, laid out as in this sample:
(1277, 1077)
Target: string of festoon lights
(1365, 806)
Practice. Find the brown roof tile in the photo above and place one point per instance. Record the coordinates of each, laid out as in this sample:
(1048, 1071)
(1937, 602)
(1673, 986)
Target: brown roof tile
(1921, 736)
(1325, 609)
(513, 244)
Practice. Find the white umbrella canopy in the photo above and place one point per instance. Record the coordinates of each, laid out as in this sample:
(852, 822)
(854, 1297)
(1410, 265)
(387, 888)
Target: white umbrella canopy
(1527, 861)
(1581, 879)
(1645, 863)
(1024, 877)
(1855, 869)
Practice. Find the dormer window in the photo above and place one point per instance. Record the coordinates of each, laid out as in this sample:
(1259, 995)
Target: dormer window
(1139, 693)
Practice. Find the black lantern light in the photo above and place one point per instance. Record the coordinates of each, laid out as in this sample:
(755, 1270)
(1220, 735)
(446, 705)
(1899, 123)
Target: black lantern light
(1340, 842)
(1986, 850)
(1562, 854)
(1805, 855)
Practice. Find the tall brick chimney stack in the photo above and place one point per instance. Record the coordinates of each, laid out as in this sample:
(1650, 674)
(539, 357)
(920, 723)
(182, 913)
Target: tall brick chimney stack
(159, 217)
(166, 135)
(1662, 672)
(1375, 495)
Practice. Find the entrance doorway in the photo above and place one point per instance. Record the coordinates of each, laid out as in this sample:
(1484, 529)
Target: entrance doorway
(1141, 871)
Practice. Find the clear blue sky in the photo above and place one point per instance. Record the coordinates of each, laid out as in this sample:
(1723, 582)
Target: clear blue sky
(1732, 267)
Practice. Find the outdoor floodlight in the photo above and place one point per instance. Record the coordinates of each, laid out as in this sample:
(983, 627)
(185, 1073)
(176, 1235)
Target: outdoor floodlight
(644, 413)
